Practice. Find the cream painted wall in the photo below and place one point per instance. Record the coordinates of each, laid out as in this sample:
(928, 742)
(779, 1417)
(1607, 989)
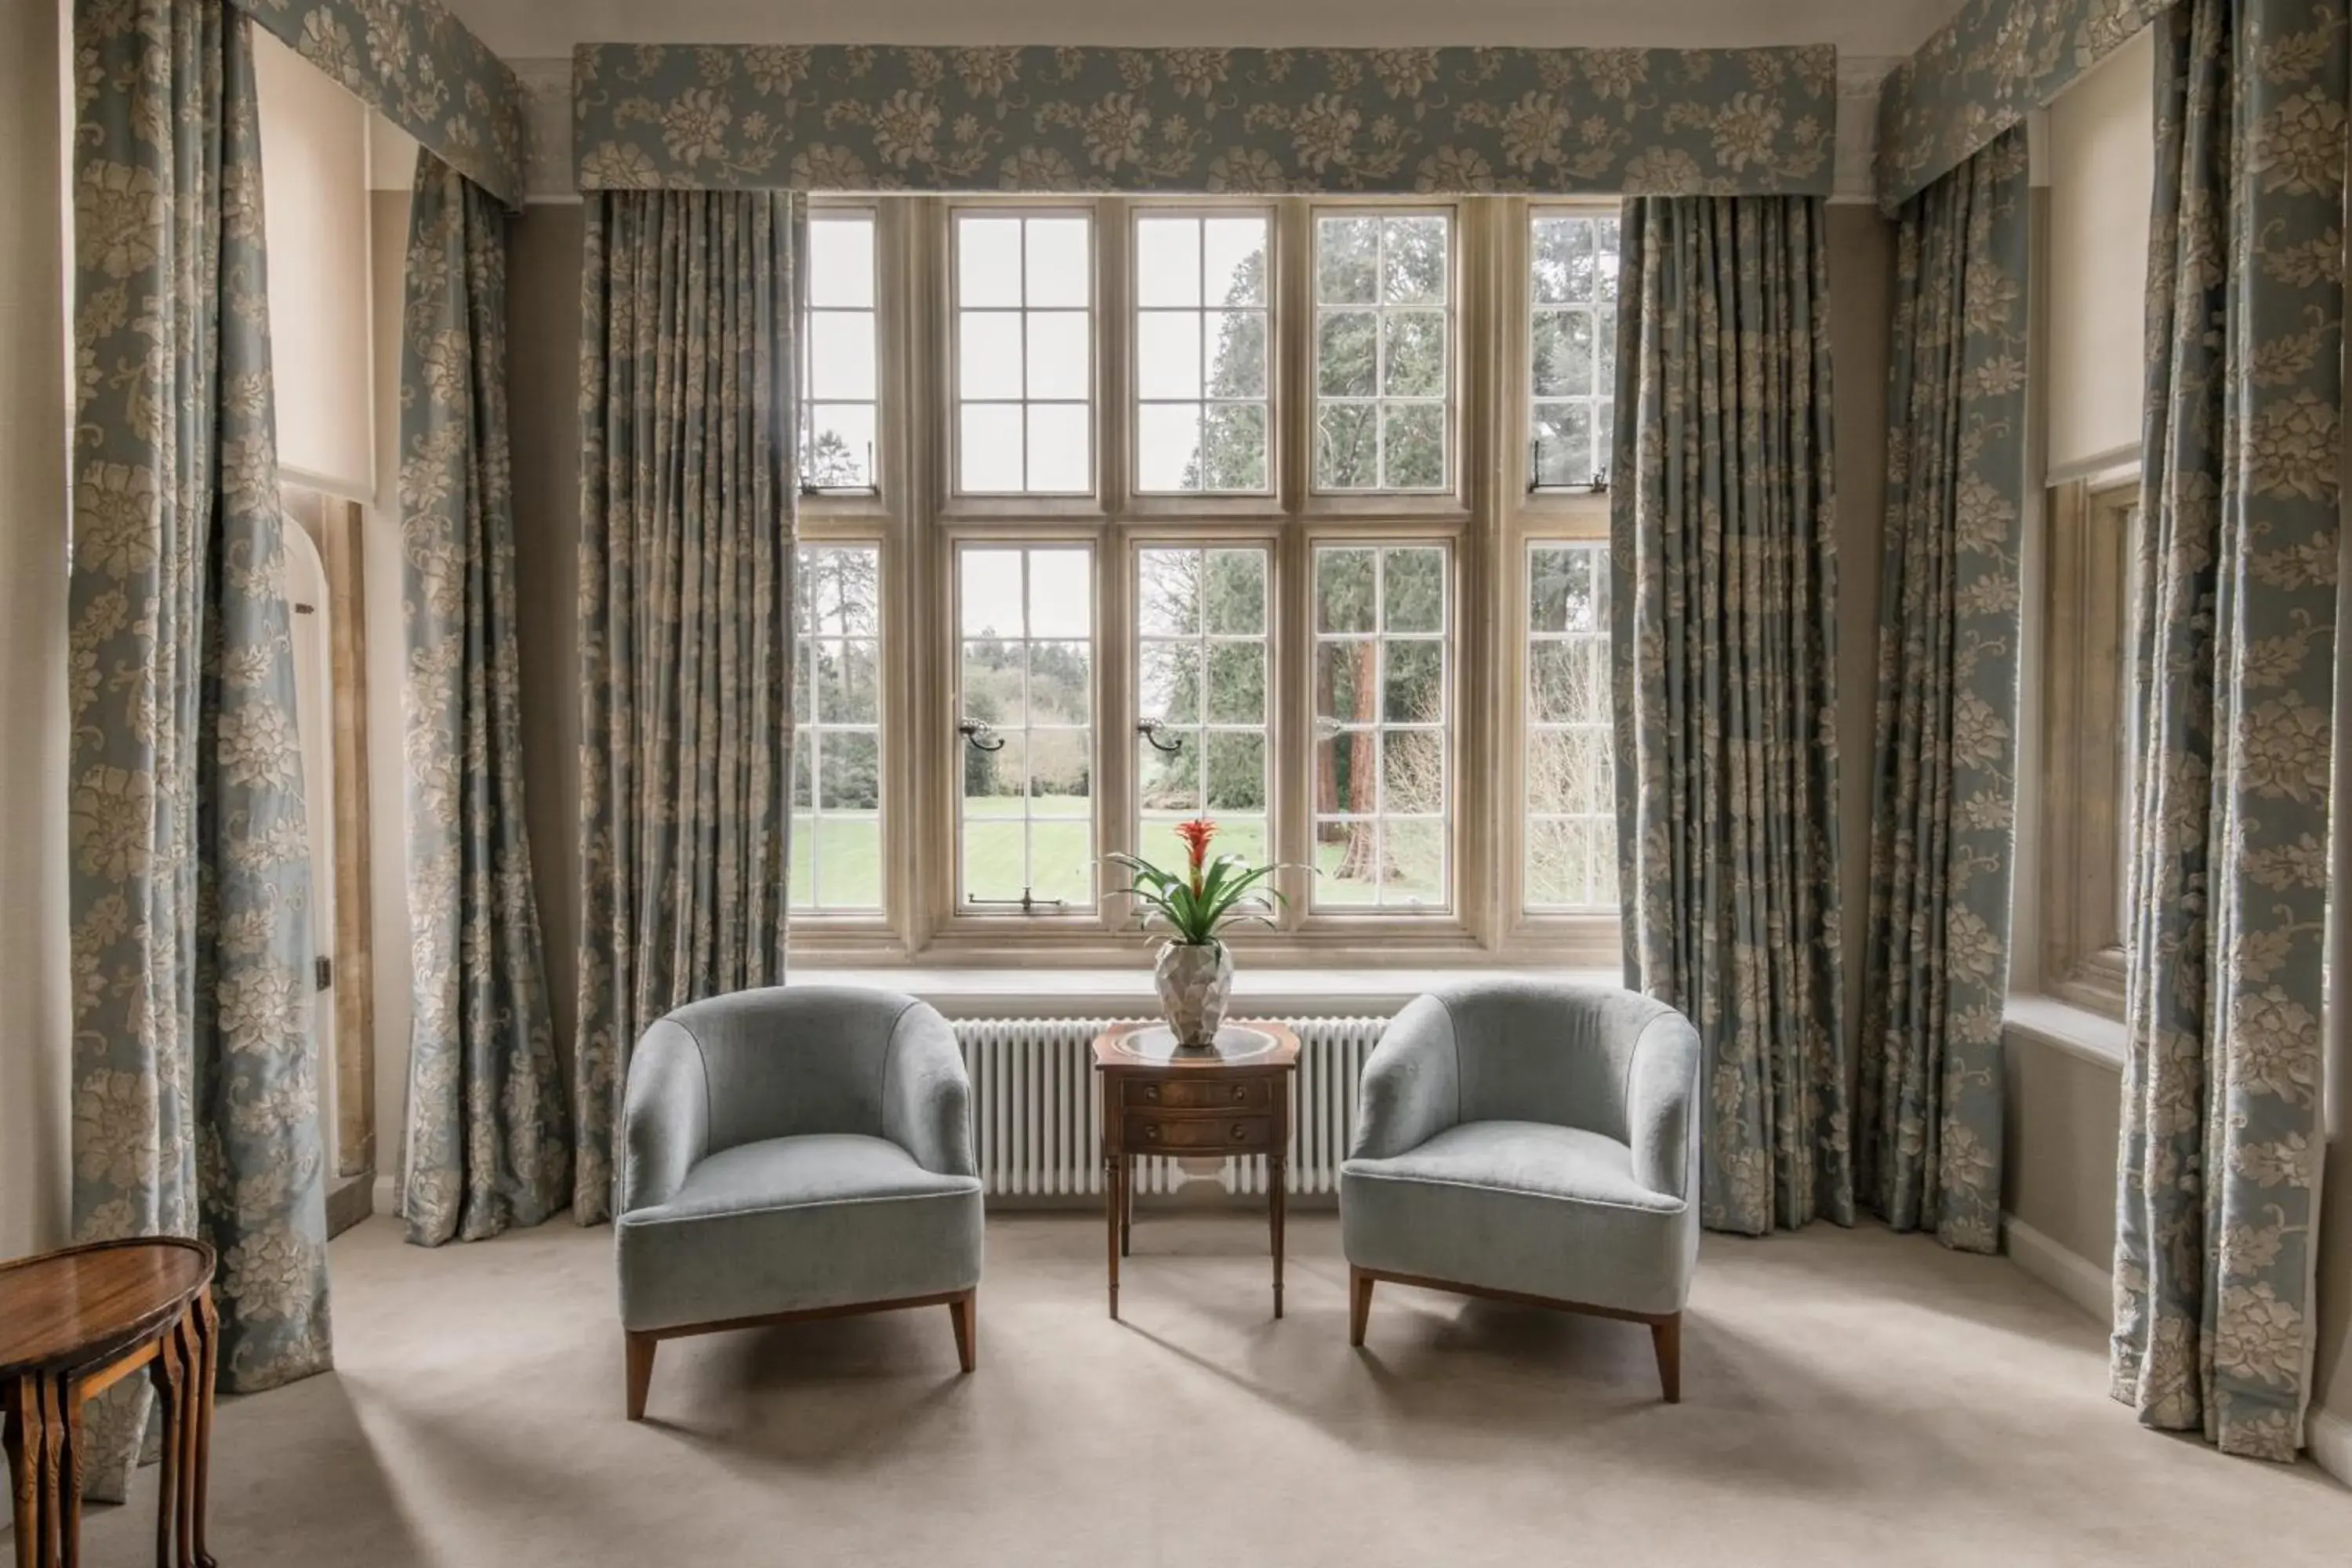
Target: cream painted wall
(543, 375)
(35, 1019)
(2101, 162)
(314, 164)
(1861, 276)
(387, 723)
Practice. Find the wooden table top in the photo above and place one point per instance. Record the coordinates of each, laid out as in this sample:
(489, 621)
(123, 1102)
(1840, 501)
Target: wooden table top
(1115, 1050)
(62, 1308)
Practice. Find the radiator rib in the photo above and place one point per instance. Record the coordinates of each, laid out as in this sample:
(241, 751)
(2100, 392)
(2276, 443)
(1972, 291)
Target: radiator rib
(1034, 1110)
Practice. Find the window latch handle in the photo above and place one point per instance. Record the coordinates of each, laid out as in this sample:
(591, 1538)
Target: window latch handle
(1155, 731)
(981, 735)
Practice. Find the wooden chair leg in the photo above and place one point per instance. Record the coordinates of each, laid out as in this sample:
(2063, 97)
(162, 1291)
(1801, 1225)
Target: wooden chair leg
(964, 1313)
(1359, 1305)
(1667, 1339)
(641, 1371)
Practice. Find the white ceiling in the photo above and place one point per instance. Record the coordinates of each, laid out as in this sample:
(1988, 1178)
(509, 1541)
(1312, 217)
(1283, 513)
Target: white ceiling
(521, 29)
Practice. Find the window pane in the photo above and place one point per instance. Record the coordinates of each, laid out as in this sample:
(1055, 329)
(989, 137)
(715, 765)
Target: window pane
(1383, 727)
(1167, 261)
(840, 452)
(1168, 446)
(1569, 847)
(1061, 444)
(1058, 354)
(988, 355)
(1201, 659)
(1167, 353)
(1058, 261)
(1384, 352)
(1200, 332)
(838, 353)
(837, 742)
(1025, 340)
(1572, 361)
(991, 445)
(1025, 667)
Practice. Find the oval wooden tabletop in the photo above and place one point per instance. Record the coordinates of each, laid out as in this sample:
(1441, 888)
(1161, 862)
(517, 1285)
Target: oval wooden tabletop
(58, 1309)
(1269, 1044)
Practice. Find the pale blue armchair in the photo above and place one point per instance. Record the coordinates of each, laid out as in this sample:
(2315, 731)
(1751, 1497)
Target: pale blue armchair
(1533, 1142)
(790, 1154)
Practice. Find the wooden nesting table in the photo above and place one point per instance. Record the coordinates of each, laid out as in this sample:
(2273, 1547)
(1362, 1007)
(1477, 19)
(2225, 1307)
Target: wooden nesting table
(73, 1324)
(1159, 1098)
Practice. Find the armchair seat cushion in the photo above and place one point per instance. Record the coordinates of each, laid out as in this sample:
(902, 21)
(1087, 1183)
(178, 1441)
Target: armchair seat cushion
(1524, 1206)
(784, 1224)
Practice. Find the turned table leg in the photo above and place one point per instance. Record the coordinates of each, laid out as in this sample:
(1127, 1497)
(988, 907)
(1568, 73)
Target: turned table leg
(205, 1322)
(21, 1430)
(169, 1373)
(1115, 1198)
(1275, 1164)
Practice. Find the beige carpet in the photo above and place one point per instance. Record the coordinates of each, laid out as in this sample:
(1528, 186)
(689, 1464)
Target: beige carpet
(1851, 1397)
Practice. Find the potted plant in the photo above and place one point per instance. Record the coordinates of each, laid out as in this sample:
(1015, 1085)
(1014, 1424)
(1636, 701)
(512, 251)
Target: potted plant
(1195, 971)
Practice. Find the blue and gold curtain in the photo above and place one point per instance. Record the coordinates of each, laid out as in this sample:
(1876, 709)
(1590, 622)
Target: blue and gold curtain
(1723, 556)
(2236, 622)
(488, 1130)
(1945, 792)
(195, 1091)
(688, 506)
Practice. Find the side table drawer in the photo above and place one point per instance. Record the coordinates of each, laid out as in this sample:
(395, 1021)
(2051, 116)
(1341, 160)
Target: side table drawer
(1242, 1097)
(1197, 1133)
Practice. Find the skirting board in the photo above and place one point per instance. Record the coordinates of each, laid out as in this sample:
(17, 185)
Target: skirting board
(2069, 1273)
(386, 1199)
(2327, 1437)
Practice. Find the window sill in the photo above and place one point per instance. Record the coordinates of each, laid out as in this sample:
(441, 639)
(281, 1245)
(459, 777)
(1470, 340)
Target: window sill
(1007, 990)
(2091, 1037)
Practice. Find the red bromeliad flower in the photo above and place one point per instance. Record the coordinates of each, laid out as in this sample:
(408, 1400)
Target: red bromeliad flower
(1196, 834)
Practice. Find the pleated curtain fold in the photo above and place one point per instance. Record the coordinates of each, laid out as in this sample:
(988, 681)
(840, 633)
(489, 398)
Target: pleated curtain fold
(2235, 619)
(1944, 798)
(1724, 566)
(195, 1091)
(687, 507)
(488, 1130)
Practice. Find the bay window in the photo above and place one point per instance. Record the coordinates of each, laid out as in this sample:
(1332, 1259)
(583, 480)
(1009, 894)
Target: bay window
(1122, 511)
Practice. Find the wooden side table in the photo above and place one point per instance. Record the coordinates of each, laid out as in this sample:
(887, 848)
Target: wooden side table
(1159, 1098)
(73, 1324)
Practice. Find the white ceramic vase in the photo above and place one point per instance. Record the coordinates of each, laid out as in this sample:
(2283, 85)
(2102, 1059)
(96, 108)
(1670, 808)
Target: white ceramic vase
(1196, 982)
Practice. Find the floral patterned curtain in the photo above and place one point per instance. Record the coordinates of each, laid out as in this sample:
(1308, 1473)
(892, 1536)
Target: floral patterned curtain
(2222, 1123)
(195, 1094)
(688, 506)
(1724, 559)
(1941, 813)
(488, 1130)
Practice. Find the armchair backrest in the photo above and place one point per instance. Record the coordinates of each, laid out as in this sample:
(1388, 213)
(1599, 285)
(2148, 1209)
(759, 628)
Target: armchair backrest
(785, 1061)
(1543, 1050)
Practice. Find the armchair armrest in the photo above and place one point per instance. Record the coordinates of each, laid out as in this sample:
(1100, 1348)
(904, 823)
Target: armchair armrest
(926, 1095)
(1661, 1092)
(1412, 1088)
(666, 1116)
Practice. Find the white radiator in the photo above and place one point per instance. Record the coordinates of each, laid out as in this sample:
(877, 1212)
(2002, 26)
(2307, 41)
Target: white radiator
(1036, 1109)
